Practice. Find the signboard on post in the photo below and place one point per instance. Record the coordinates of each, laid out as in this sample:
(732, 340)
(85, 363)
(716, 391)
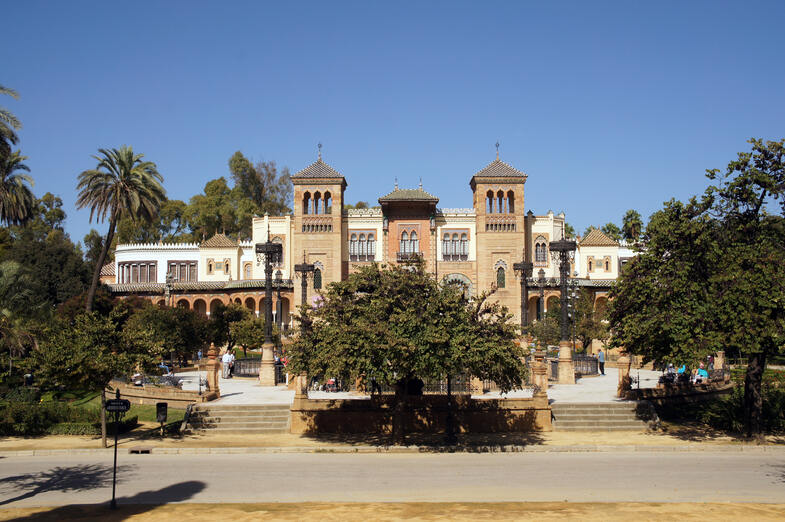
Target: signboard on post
(118, 405)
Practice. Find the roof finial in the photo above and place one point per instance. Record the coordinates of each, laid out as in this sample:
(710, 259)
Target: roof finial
(497, 149)
(320, 150)
(396, 183)
(420, 182)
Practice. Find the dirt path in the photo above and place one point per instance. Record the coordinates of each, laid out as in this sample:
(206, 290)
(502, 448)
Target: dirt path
(407, 511)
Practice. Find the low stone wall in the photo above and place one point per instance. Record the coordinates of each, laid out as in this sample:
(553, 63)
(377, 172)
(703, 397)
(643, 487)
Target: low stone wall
(424, 414)
(674, 394)
(150, 394)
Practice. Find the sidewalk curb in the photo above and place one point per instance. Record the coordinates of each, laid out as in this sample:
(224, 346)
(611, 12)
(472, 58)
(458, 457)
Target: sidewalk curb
(589, 448)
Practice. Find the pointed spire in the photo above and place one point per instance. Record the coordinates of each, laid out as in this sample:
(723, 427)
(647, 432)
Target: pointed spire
(396, 183)
(320, 150)
(497, 149)
(420, 182)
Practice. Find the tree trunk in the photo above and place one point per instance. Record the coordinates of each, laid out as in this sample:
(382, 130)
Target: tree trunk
(450, 437)
(103, 417)
(100, 263)
(753, 400)
(399, 429)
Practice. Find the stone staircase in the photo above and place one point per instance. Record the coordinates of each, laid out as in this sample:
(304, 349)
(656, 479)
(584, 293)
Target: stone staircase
(611, 416)
(240, 419)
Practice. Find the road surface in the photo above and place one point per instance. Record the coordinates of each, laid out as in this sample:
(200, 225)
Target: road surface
(574, 477)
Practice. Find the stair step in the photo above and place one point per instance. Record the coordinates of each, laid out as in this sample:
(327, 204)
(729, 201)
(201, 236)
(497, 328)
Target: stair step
(216, 418)
(597, 428)
(239, 431)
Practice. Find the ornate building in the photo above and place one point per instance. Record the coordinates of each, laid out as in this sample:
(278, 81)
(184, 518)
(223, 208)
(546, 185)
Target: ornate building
(476, 246)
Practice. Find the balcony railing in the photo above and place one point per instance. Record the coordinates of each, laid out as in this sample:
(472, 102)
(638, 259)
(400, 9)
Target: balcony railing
(405, 257)
(361, 257)
(455, 257)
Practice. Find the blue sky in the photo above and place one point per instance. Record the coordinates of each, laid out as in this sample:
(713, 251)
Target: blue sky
(606, 106)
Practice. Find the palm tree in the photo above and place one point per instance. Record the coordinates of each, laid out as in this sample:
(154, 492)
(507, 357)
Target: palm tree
(8, 125)
(15, 294)
(16, 199)
(121, 185)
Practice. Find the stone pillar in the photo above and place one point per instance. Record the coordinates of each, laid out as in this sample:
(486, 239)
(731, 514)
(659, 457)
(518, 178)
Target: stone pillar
(476, 386)
(719, 360)
(623, 363)
(213, 369)
(301, 387)
(566, 368)
(267, 370)
(540, 373)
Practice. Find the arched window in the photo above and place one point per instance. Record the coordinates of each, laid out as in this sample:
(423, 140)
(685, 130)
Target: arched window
(353, 247)
(500, 280)
(226, 266)
(247, 271)
(511, 202)
(455, 250)
(415, 243)
(363, 250)
(446, 247)
(489, 202)
(317, 200)
(209, 266)
(371, 247)
(607, 266)
(540, 251)
(328, 203)
(317, 279)
(404, 242)
(500, 198)
(464, 247)
(589, 265)
(306, 203)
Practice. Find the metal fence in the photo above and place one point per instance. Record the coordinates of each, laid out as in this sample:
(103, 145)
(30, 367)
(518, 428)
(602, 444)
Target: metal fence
(585, 364)
(247, 367)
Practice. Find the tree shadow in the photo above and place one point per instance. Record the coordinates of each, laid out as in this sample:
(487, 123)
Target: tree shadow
(66, 479)
(480, 425)
(127, 506)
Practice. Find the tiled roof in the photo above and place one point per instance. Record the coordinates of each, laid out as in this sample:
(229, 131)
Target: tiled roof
(499, 169)
(187, 286)
(107, 269)
(219, 241)
(597, 238)
(318, 169)
(408, 195)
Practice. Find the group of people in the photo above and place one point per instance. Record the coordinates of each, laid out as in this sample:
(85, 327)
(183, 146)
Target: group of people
(684, 375)
(227, 364)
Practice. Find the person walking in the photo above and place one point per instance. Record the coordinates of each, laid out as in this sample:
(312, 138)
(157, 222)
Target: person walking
(226, 365)
(601, 361)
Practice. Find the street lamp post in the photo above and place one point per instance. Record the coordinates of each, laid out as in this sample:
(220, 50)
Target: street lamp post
(573, 310)
(271, 252)
(563, 250)
(541, 284)
(303, 269)
(524, 270)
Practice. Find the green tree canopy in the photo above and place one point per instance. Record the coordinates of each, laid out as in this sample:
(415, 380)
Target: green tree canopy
(397, 323)
(612, 231)
(632, 226)
(9, 124)
(16, 198)
(710, 277)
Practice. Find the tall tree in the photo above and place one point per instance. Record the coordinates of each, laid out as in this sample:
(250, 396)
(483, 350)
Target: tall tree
(121, 185)
(9, 124)
(16, 198)
(270, 190)
(612, 231)
(396, 324)
(632, 226)
(711, 275)
(750, 283)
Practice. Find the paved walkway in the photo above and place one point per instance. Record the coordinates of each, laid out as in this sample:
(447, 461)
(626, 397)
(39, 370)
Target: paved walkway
(245, 390)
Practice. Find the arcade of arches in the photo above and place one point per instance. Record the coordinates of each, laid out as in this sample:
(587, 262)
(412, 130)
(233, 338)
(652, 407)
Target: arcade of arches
(205, 304)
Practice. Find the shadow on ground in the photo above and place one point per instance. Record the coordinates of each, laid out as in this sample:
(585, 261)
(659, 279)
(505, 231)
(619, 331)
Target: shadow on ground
(127, 506)
(66, 479)
(697, 432)
(479, 442)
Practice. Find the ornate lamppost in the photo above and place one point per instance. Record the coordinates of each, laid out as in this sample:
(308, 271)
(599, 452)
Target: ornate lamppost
(563, 251)
(271, 252)
(541, 284)
(573, 311)
(303, 269)
(524, 271)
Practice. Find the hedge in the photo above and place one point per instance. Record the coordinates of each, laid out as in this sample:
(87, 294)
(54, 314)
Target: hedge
(90, 428)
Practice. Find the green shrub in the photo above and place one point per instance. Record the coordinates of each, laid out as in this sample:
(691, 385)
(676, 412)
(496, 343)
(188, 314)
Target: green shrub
(74, 428)
(728, 413)
(18, 418)
(24, 394)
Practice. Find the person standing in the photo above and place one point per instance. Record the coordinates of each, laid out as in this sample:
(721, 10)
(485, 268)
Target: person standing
(226, 364)
(601, 361)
